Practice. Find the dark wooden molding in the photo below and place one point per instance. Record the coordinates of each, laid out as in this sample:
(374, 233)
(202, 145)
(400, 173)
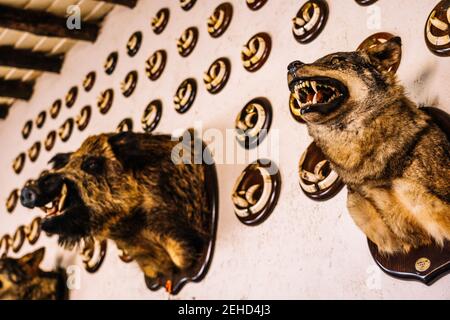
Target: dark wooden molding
(16, 89)
(4, 109)
(45, 24)
(127, 3)
(26, 59)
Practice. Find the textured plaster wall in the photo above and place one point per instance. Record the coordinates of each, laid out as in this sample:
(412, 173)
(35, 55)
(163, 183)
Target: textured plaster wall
(305, 249)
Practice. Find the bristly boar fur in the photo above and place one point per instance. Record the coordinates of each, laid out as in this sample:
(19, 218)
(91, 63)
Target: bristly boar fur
(125, 187)
(393, 157)
(22, 279)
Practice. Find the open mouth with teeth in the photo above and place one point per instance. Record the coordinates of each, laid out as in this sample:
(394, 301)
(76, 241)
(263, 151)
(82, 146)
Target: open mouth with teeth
(56, 206)
(65, 200)
(66, 214)
(318, 94)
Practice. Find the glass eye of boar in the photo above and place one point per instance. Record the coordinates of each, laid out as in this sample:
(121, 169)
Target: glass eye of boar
(93, 165)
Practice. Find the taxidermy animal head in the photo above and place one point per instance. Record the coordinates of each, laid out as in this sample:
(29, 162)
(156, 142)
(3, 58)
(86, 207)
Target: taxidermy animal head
(22, 279)
(340, 85)
(393, 156)
(125, 187)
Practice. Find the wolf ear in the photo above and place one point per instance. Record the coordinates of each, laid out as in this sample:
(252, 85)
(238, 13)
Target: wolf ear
(60, 160)
(385, 56)
(32, 260)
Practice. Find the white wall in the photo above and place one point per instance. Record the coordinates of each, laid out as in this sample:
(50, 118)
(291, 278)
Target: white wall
(305, 249)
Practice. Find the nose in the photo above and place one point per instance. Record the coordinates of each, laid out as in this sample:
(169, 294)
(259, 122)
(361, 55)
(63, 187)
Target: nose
(28, 197)
(293, 66)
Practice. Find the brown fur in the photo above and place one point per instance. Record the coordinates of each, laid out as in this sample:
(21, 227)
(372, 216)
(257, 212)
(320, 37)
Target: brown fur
(392, 156)
(21, 279)
(152, 208)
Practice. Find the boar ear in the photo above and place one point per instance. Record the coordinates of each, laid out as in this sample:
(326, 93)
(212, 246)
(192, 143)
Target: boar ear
(60, 160)
(129, 150)
(123, 144)
(32, 260)
(385, 56)
(136, 150)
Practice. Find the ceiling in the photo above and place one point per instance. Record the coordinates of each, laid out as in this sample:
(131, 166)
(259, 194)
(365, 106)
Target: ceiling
(17, 39)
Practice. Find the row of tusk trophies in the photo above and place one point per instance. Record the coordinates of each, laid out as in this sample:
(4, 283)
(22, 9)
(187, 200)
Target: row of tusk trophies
(257, 189)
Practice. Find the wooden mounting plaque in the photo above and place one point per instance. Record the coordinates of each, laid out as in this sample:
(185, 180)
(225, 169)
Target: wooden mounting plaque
(217, 26)
(255, 5)
(316, 178)
(304, 17)
(366, 2)
(253, 207)
(437, 31)
(425, 264)
(253, 122)
(161, 20)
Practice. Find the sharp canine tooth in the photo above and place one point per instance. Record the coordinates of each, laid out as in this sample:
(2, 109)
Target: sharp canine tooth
(49, 205)
(315, 99)
(314, 86)
(63, 198)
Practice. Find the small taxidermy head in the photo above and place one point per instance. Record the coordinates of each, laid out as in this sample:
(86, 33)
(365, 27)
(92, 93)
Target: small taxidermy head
(22, 279)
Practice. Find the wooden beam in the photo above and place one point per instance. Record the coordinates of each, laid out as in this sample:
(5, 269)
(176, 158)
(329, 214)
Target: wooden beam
(127, 3)
(45, 24)
(26, 59)
(16, 89)
(4, 109)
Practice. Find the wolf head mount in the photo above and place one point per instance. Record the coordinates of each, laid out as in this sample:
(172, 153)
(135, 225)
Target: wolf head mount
(392, 155)
(342, 83)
